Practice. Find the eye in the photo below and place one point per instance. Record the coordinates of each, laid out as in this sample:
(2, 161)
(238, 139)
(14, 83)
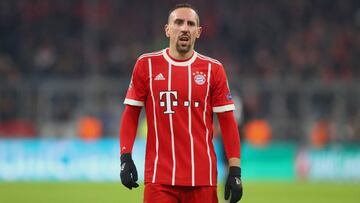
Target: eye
(191, 23)
(178, 22)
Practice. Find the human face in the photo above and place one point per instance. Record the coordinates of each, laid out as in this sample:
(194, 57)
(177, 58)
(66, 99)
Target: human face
(182, 30)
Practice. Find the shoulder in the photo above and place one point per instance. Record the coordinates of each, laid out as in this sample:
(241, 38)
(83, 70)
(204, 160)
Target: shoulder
(216, 66)
(149, 55)
(142, 61)
(209, 59)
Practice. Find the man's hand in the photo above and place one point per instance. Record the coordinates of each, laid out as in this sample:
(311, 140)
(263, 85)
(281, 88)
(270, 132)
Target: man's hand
(233, 185)
(128, 172)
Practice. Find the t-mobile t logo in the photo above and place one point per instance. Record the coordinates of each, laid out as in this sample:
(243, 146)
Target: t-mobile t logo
(171, 100)
(168, 100)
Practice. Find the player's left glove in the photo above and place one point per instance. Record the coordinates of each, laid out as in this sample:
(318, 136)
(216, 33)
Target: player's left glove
(233, 185)
(128, 172)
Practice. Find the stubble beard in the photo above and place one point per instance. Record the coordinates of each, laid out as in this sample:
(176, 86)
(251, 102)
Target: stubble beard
(183, 49)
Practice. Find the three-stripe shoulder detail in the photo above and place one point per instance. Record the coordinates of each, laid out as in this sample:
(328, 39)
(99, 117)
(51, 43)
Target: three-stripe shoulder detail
(157, 53)
(206, 58)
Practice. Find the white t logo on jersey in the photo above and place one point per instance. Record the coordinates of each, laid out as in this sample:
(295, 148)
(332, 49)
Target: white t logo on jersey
(171, 100)
(168, 101)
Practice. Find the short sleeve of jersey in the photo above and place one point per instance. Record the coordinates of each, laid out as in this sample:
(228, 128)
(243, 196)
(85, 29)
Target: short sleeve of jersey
(221, 96)
(137, 91)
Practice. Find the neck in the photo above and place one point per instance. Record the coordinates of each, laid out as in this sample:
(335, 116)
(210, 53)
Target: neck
(180, 56)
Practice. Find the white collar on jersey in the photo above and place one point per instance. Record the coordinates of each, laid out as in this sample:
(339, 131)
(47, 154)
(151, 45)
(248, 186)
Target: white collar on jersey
(178, 63)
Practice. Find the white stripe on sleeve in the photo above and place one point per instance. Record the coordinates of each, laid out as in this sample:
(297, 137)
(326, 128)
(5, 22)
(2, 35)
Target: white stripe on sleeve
(219, 109)
(133, 102)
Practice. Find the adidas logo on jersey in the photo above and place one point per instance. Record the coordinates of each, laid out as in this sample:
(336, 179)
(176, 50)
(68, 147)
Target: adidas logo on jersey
(159, 77)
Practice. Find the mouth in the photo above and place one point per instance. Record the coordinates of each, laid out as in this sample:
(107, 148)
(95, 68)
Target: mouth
(184, 38)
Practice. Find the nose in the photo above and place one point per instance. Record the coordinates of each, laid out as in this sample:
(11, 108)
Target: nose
(185, 27)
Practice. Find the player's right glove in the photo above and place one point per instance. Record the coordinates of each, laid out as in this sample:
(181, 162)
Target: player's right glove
(233, 185)
(128, 172)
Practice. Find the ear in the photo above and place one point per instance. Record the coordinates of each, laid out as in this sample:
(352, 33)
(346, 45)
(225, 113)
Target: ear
(198, 33)
(167, 32)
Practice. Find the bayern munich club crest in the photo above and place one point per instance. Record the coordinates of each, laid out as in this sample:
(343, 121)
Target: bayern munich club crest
(199, 77)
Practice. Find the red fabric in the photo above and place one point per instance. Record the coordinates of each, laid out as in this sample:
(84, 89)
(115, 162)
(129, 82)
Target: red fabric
(128, 128)
(155, 193)
(17, 128)
(180, 98)
(230, 134)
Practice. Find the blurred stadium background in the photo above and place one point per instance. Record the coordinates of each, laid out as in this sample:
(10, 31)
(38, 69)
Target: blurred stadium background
(293, 67)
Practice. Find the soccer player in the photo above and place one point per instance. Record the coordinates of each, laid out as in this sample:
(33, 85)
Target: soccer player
(180, 89)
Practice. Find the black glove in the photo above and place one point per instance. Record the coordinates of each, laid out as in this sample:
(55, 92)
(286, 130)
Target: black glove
(233, 185)
(128, 172)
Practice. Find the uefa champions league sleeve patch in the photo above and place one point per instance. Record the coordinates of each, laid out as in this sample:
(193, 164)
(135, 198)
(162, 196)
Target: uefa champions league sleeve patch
(229, 96)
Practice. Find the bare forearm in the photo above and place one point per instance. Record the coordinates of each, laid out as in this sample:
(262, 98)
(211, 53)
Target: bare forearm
(234, 161)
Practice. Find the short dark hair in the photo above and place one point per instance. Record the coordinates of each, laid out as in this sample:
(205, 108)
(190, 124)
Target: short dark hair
(185, 5)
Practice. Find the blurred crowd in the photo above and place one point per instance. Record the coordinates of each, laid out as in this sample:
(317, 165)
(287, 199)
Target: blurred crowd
(301, 40)
(57, 38)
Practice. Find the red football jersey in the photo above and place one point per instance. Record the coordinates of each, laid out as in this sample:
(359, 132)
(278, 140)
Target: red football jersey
(180, 98)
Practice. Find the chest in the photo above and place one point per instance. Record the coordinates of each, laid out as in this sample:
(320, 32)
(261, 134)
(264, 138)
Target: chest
(180, 82)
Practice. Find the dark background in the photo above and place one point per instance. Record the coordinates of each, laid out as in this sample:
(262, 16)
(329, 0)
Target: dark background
(293, 64)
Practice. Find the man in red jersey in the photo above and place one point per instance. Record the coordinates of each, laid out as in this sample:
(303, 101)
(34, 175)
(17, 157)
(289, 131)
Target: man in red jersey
(180, 89)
